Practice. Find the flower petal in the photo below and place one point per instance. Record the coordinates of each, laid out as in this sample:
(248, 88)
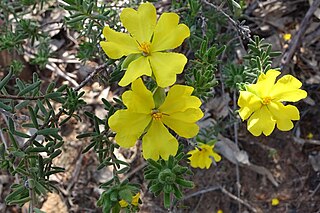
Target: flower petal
(136, 69)
(200, 158)
(129, 126)
(287, 89)
(216, 157)
(168, 33)
(264, 84)
(261, 122)
(141, 23)
(118, 44)
(248, 103)
(158, 142)
(165, 66)
(179, 99)
(139, 99)
(283, 115)
(183, 123)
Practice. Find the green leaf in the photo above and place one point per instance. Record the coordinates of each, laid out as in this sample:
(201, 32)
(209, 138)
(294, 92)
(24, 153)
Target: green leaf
(19, 189)
(21, 134)
(22, 171)
(89, 147)
(23, 104)
(36, 210)
(53, 95)
(19, 201)
(36, 149)
(18, 154)
(33, 117)
(48, 131)
(123, 170)
(184, 183)
(40, 188)
(6, 79)
(128, 60)
(126, 195)
(166, 200)
(55, 154)
(5, 107)
(29, 88)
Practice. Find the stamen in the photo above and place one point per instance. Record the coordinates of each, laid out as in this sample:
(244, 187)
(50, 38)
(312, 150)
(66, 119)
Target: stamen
(266, 100)
(156, 115)
(145, 48)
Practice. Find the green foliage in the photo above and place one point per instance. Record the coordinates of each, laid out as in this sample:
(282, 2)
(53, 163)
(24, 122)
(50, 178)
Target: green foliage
(109, 199)
(167, 177)
(201, 74)
(41, 58)
(257, 60)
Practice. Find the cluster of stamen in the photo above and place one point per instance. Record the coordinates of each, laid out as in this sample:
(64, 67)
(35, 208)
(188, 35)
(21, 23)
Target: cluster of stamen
(156, 115)
(266, 100)
(145, 48)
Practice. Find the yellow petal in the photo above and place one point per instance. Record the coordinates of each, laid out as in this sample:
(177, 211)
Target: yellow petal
(264, 84)
(135, 199)
(261, 122)
(168, 33)
(139, 99)
(165, 66)
(136, 69)
(201, 158)
(287, 89)
(248, 103)
(183, 123)
(179, 99)
(141, 23)
(118, 44)
(158, 142)
(123, 203)
(215, 156)
(283, 115)
(129, 126)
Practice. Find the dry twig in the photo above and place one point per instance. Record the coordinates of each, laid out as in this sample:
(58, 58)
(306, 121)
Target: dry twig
(297, 38)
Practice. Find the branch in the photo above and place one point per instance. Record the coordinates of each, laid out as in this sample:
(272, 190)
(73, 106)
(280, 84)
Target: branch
(91, 75)
(297, 38)
(243, 30)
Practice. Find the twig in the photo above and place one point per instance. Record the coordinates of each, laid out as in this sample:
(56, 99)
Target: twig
(91, 75)
(75, 174)
(238, 199)
(235, 129)
(243, 30)
(134, 171)
(53, 67)
(223, 190)
(315, 191)
(297, 38)
(210, 189)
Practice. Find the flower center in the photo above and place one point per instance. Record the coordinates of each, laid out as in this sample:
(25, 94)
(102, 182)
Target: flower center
(145, 48)
(266, 100)
(156, 115)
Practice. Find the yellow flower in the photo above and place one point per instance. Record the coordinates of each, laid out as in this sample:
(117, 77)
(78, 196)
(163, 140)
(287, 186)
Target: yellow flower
(262, 103)
(200, 157)
(275, 202)
(180, 111)
(287, 36)
(149, 39)
(310, 135)
(134, 202)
